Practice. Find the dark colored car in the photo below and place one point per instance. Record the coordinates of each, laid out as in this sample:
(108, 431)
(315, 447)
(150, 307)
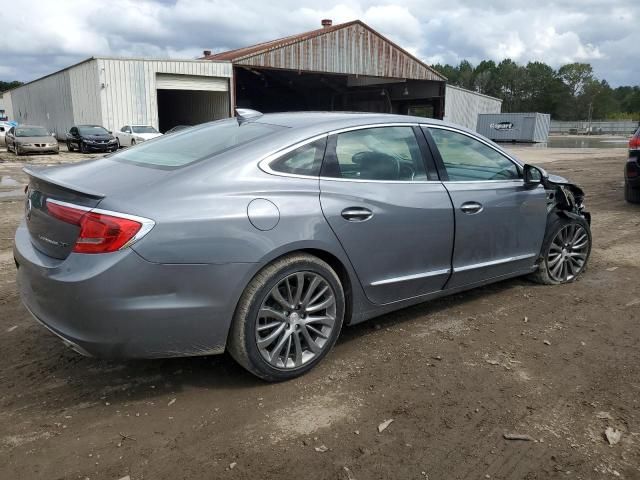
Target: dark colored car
(632, 170)
(91, 138)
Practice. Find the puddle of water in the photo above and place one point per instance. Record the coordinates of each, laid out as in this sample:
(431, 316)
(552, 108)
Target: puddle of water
(7, 181)
(12, 193)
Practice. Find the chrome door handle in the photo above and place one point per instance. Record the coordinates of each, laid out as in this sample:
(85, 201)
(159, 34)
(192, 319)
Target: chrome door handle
(356, 214)
(471, 207)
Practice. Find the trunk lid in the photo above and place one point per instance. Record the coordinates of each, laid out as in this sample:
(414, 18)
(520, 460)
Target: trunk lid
(85, 185)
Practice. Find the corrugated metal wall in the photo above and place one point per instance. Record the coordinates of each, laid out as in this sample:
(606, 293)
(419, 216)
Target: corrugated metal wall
(85, 92)
(129, 93)
(8, 105)
(46, 102)
(463, 106)
(351, 50)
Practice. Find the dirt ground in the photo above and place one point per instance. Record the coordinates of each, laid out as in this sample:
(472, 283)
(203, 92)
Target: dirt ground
(560, 364)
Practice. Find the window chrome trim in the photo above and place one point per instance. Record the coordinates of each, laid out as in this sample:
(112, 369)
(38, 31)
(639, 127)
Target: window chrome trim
(492, 263)
(146, 223)
(265, 162)
(406, 278)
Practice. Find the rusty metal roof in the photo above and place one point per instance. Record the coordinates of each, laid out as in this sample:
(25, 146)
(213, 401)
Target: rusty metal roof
(347, 48)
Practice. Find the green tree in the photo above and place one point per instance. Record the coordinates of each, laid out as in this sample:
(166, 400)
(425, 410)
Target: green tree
(4, 86)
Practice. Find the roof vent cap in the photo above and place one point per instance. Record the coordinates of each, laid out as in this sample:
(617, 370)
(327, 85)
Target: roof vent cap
(207, 53)
(327, 22)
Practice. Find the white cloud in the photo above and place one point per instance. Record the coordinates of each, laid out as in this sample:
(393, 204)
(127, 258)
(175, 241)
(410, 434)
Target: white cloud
(553, 31)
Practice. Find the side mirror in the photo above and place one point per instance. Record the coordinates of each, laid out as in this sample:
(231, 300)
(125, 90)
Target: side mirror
(534, 176)
(110, 132)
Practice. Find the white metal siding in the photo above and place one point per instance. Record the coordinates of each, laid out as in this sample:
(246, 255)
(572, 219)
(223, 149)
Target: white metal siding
(46, 102)
(85, 93)
(129, 95)
(168, 81)
(463, 106)
(8, 106)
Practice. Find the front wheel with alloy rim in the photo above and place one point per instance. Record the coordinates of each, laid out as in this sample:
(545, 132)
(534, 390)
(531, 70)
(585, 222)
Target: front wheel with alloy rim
(565, 251)
(288, 318)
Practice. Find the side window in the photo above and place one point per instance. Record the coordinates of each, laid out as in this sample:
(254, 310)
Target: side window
(467, 159)
(74, 131)
(1, 129)
(379, 153)
(305, 160)
(125, 129)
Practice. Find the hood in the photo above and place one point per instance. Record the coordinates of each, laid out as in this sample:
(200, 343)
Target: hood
(43, 139)
(147, 136)
(104, 136)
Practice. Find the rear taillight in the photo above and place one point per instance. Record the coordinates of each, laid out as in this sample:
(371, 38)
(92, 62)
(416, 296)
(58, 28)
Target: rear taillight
(634, 143)
(100, 231)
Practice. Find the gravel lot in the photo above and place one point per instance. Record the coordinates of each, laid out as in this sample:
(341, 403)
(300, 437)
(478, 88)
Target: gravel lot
(559, 364)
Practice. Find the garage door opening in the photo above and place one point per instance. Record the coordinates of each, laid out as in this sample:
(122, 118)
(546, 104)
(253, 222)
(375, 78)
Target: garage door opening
(190, 99)
(279, 90)
(190, 107)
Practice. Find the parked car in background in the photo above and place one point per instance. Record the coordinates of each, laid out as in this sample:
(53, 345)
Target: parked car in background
(91, 138)
(632, 170)
(132, 134)
(265, 234)
(4, 127)
(31, 139)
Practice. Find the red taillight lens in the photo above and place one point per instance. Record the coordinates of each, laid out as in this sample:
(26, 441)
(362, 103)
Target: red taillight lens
(634, 142)
(99, 233)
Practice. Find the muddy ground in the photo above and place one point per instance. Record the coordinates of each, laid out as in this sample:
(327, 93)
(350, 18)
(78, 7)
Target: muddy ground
(560, 364)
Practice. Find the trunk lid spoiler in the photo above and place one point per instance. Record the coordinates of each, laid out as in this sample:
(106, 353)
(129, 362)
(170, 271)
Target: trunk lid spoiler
(41, 175)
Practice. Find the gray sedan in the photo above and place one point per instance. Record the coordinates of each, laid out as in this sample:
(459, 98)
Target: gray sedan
(265, 234)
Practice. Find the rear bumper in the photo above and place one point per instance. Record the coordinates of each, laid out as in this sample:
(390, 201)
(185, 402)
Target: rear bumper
(119, 305)
(632, 169)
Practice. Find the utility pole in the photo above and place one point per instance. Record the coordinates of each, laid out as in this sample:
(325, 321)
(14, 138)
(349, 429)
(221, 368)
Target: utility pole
(589, 118)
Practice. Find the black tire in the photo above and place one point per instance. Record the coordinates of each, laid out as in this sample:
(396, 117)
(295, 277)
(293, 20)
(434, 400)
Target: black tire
(69, 146)
(242, 341)
(555, 224)
(133, 142)
(83, 147)
(16, 150)
(118, 146)
(631, 195)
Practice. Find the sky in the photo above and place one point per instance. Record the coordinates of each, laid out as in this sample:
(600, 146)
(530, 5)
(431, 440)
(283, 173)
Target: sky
(42, 36)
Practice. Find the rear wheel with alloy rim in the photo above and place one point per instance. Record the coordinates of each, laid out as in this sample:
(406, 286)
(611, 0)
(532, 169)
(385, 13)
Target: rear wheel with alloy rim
(288, 318)
(565, 251)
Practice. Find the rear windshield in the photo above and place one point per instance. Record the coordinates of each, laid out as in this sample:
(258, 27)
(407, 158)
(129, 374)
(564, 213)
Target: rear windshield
(31, 132)
(193, 144)
(143, 129)
(94, 130)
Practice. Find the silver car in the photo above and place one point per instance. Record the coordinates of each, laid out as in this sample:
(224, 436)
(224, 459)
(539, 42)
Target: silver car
(265, 234)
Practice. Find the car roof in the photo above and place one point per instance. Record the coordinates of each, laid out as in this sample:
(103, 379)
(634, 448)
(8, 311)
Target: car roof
(326, 121)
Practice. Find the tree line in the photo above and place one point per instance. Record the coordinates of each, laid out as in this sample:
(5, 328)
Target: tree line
(571, 92)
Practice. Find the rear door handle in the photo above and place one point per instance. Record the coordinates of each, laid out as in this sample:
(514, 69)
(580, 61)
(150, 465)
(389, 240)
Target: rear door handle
(356, 214)
(471, 207)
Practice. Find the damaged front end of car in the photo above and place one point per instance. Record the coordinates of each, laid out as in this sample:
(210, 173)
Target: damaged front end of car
(565, 198)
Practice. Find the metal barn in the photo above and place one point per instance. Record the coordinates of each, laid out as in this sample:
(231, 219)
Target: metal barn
(119, 91)
(463, 106)
(337, 67)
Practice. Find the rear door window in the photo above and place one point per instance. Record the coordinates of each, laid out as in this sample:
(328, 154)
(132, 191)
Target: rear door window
(378, 153)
